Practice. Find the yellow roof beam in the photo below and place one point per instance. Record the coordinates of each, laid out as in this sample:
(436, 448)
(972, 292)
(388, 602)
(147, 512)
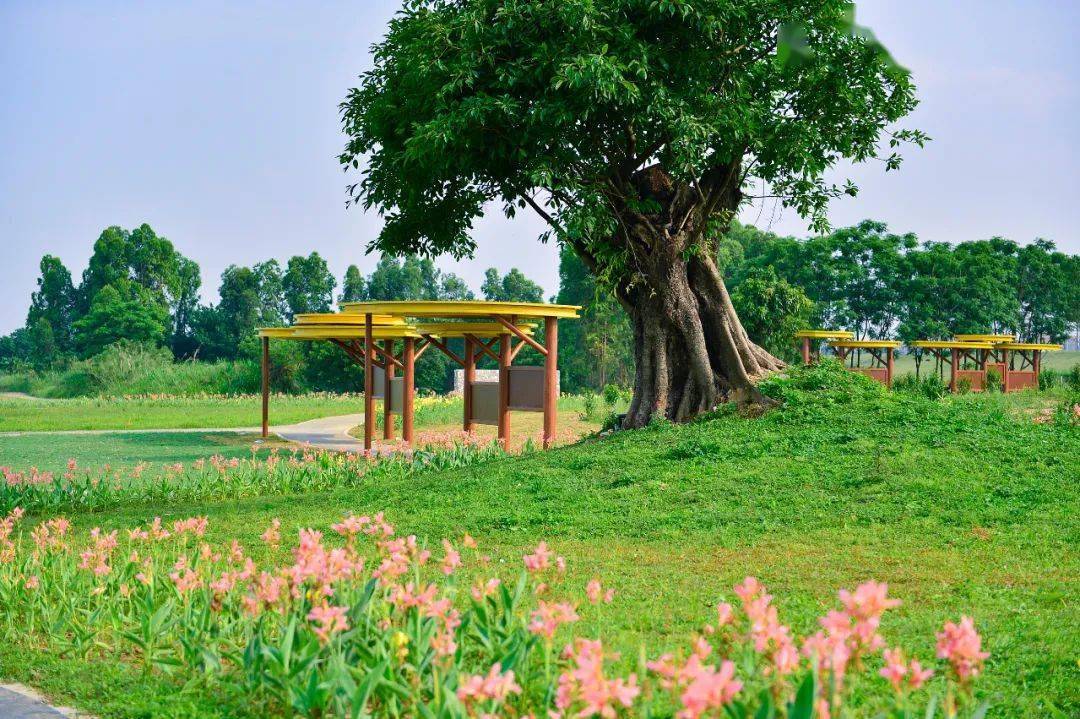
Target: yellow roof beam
(952, 344)
(826, 334)
(865, 344)
(461, 308)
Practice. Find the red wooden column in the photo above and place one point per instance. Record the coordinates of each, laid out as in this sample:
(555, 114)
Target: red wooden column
(952, 369)
(388, 416)
(806, 350)
(265, 387)
(1003, 356)
(468, 374)
(409, 360)
(369, 384)
(888, 366)
(504, 390)
(551, 379)
(1036, 363)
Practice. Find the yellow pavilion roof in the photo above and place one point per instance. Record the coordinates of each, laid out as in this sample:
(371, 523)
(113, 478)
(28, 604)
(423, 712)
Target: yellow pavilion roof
(953, 344)
(984, 338)
(1028, 346)
(342, 332)
(461, 308)
(826, 334)
(865, 344)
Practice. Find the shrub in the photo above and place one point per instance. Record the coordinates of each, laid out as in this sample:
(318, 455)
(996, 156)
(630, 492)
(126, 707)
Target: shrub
(963, 385)
(1073, 377)
(930, 386)
(375, 624)
(994, 380)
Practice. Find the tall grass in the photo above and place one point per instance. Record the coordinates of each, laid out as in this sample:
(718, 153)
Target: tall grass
(131, 369)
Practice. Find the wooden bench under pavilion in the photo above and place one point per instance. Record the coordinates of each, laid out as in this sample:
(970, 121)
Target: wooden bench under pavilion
(370, 334)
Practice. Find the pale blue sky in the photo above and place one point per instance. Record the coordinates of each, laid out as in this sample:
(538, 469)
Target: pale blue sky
(217, 123)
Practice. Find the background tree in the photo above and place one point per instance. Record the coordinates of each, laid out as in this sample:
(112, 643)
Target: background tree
(308, 284)
(124, 310)
(188, 282)
(514, 286)
(595, 350)
(273, 308)
(353, 287)
(772, 311)
(54, 303)
(633, 129)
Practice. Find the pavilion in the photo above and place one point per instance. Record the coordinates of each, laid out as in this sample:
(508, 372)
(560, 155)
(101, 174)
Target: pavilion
(371, 333)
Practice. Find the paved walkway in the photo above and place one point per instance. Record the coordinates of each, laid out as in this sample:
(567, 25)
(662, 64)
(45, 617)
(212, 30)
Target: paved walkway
(325, 433)
(20, 702)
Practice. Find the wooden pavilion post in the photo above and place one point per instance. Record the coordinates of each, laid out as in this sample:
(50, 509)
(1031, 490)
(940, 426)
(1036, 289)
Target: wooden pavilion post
(806, 350)
(388, 375)
(551, 379)
(955, 354)
(1005, 370)
(409, 360)
(889, 366)
(468, 378)
(265, 387)
(504, 390)
(369, 384)
(1036, 364)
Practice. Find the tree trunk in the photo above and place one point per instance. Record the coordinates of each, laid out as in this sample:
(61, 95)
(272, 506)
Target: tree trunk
(690, 348)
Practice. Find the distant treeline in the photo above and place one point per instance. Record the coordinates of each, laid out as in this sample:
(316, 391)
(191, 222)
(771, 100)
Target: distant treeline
(138, 289)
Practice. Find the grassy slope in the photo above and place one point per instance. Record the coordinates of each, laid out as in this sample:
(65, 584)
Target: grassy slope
(17, 415)
(121, 450)
(963, 506)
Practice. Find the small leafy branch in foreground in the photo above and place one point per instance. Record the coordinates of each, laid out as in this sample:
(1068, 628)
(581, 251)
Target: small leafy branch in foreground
(377, 624)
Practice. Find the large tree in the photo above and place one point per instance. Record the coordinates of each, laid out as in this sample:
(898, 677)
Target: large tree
(636, 129)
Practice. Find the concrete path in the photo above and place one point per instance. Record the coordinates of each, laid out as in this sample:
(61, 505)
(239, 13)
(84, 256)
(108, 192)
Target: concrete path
(325, 433)
(21, 702)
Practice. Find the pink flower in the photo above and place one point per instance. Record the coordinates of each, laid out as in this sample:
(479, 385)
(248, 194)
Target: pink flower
(487, 589)
(32, 582)
(594, 591)
(709, 689)
(585, 684)
(548, 616)
(962, 646)
(452, 560)
(725, 614)
(540, 559)
(495, 686)
(272, 535)
(329, 620)
(896, 670)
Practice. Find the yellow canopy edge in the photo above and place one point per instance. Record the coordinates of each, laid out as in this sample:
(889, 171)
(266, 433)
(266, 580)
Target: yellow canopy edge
(461, 308)
(865, 344)
(1028, 346)
(478, 329)
(349, 332)
(826, 334)
(984, 338)
(952, 344)
(346, 318)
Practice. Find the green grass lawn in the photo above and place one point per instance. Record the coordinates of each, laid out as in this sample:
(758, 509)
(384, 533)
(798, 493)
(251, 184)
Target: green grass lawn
(17, 415)
(964, 506)
(123, 450)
